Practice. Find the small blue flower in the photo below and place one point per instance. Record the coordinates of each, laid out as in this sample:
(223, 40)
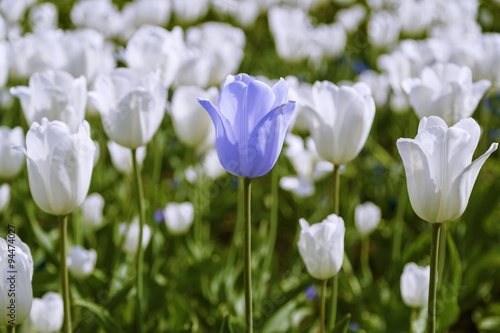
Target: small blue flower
(159, 215)
(354, 327)
(251, 120)
(310, 293)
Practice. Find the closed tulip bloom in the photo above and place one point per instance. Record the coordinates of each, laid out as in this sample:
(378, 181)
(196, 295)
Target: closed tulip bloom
(23, 263)
(132, 236)
(4, 196)
(439, 172)
(47, 313)
(121, 157)
(415, 285)
(445, 90)
(131, 107)
(11, 160)
(367, 217)
(191, 122)
(92, 210)
(60, 164)
(56, 95)
(81, 262)
(321, 246)
(251, 120)
(340, 120)
(179, 217)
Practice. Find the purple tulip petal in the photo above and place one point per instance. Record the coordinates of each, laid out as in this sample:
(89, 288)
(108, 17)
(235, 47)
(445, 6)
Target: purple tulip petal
(280, 90)
(259, 100)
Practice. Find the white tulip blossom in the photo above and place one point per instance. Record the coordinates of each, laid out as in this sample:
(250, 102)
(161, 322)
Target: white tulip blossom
(4, 196)
(379, 85)
(100, 15)
(81, 262)
(131, 232)
(60, 164)
(189, 11)
(321, 246)
(44, 17)
(340, 120)
(13, 10)
(55, 95)
(439, 170)
(92, 210)
(142, 12)
(445, 90)
(367, 217)
(212, 166)
(351, 17)
(416, 16)
(15, 305)
(121, 157)
(131, 107)
(383, 29)
(47, 314)
(179, 217)
(11, 160)
(415, 285)
(191, 122)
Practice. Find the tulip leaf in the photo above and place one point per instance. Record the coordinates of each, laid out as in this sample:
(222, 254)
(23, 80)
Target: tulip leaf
(103, 317)
(343, 325)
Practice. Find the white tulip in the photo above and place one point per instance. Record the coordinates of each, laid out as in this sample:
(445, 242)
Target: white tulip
(4, 196)
(301, 93)
(379, 85)
(439, 172)
(138, 13)
(351, 17)
(44, 17)
(121, 157)
(383, 29)
(179, 217)
(416, 16)
(60, 164)
(81, 262)
(11, 160)
(56, 95)
(132, 236)
(328, 41)
(211, 165)
(445, 90)
(153, 47)
(191, 122)
(367, 217)
(415, 285)
(47, 313)
(321, 246)
(92, 210)
(131, 107)
(13, 10)
(189, 11)
(340, 120)
(100, 15)
(15, 288)
(97, 152)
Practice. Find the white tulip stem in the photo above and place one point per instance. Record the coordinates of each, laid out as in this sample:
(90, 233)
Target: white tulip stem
(63, 221)
(140, 253)
(11, 329)
(273, 226)
(365, 257)
(323, 305)
(442, 251)
(413, 318)
(335, 283)
(431, 308)
(247, 190)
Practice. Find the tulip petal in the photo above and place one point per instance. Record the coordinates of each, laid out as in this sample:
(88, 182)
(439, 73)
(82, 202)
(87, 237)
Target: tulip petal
(258, 101)
(266, 141)
(422, 183)
(280, 91)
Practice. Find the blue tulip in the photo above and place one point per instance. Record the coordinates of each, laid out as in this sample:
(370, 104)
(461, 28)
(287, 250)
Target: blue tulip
(251, 120)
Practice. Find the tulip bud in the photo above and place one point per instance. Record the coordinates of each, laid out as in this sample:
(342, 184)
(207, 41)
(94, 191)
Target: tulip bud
(47, 313)
(81, 262)
(92, 210)
(132, 236)
(121, 157)
(415, 285)
(55, 95)
(367, 217)
(321, 246)
(4, 196)
(11, 160)
(15, 288)
(179, 217)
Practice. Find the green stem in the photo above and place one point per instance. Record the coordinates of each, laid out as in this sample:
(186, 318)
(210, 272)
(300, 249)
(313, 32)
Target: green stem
(442, 251)
(11, 329)
(273, 228)
(247, 189)
(140, 254)
(431, 308)
(399, 225)
(323, 305)
(336, 191)
(365, 257)
(413, 318)
(198, 231)
(63, 222)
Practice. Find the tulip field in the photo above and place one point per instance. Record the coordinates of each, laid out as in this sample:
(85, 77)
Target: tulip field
(250, 166)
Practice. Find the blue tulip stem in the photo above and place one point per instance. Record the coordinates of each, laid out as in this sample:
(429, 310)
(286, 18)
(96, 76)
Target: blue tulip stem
(431, 307)
(323, 305)
(335, 283)
(63, 222)
(247, 189)
(140, 254)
